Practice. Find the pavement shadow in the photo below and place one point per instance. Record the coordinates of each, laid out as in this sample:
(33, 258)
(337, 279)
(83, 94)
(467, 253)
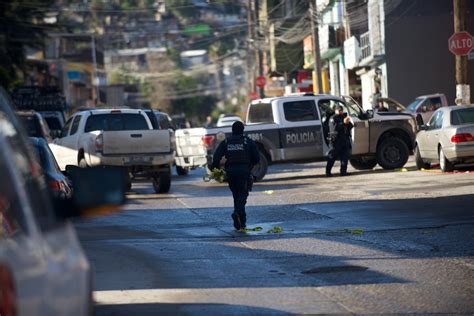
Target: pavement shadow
(182, 309)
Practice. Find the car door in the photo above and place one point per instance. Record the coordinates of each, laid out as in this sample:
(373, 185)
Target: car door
(360, 132)
(67, 153)
(430, 139)
(301, 130)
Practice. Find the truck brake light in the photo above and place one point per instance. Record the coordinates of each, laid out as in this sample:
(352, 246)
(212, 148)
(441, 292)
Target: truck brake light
(462, 138)
(99, 143)
(207, 140)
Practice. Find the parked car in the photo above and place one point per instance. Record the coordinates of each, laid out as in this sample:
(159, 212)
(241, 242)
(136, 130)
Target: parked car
(295, 129)
(58, 184)
(448, 138)
(117, 137)
(43, 269)
(34, 124)
(227, 120)
(424, 106)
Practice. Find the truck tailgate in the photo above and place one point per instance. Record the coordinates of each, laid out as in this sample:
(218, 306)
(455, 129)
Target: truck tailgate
(189, 142)
(136, 142)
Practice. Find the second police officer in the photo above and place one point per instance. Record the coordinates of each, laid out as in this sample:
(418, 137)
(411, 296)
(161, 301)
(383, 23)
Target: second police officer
(340, 127)
(241, 155)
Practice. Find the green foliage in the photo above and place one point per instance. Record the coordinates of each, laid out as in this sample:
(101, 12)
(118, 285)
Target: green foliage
(192, 102)
(173, 54)
(21, 25)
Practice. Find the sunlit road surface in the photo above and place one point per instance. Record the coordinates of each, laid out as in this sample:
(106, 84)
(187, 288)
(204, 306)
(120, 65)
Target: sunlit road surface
(374, 242)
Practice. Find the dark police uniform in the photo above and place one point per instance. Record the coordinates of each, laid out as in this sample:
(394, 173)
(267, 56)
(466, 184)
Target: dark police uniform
(341, 144)
(241, 154)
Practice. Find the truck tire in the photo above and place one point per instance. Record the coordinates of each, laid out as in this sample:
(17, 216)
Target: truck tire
(260, 170)
(444, 163)
(181, 171)
(162, 182)
(392, 153)
(420, 163)
(363, 163)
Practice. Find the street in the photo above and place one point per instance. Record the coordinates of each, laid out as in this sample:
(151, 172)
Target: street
(374, 242)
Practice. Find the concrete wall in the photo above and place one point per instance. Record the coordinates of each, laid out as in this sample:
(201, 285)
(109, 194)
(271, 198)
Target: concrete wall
(416, 48)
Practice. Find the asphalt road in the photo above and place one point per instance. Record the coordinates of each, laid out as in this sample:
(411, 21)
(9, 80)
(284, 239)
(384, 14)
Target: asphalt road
(373, 242)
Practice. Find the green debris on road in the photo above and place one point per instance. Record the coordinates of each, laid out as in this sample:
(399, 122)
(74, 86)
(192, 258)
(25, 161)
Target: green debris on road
(353, 231)
(275, 230)
(356, 231)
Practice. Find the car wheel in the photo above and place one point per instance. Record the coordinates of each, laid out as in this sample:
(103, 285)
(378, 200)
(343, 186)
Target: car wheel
(392, 153)
(260, 170)
(162, 182)
(444, 163)
(420, 163)
(363, 163)
(181, 171)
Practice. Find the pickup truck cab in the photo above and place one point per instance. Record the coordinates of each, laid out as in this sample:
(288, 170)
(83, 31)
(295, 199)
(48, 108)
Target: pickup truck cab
(295, 129)
(117, 137)
(424, 106)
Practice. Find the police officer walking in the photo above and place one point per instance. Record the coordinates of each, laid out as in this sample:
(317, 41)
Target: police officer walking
(340, 127)
(241, 154)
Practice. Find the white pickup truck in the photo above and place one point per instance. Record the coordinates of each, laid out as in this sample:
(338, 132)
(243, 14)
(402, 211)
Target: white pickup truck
(117, 137)
(295, 129)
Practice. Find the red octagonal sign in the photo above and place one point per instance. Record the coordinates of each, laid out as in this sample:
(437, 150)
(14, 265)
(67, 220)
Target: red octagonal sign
(460, 43)
(261, 81)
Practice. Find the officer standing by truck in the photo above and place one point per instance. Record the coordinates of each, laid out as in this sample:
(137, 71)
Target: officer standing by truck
(340, 127)
(241, 155)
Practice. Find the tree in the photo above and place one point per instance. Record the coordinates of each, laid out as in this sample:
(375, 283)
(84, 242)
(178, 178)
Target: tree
(192, 101)
(21, 25)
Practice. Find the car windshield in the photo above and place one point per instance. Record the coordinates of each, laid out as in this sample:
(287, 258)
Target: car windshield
(116, 122)
(53, 123)
(412, 106)
(462, 117)
(32, 126)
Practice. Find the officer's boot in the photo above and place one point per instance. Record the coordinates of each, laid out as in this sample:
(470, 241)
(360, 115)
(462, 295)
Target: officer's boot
(243, 220)
(236, 218)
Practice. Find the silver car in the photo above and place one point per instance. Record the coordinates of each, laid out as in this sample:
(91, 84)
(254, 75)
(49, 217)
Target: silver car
(448, 138)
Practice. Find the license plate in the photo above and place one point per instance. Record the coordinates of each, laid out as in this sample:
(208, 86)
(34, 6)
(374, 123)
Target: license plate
(136, 159)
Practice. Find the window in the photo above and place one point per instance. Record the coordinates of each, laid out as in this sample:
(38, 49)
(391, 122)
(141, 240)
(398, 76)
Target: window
(30, 180)
(66, 128)
(300, 111)
(75, 125)
(32, 125)
(461, 117)
(12, 216)
(115, 122)
(53, 123)
(436, 121)
(328, 107)
(164, 122)
(260, 113)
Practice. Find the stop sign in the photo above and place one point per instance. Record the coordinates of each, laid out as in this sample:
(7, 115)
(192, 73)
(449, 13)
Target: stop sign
(261, 81)
(460, 43)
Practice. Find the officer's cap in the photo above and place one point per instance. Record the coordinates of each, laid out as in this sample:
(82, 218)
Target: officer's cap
(238, 128)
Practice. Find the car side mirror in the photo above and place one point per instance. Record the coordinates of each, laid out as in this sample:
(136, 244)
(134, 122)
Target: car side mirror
(370, 114)
(419, 121)
(423, 127)
(96, 191)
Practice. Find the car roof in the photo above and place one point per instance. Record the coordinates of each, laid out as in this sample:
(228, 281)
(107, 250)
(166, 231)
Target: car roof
(37, 141)
(431, 95)
(292, 97)
(455, 107)
(27, 113)
(107, 111)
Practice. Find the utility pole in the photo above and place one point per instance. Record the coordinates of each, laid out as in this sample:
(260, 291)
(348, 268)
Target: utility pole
(317, 80)
(96, 80)
(463, 91)
(258, 49)
(250, 42)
